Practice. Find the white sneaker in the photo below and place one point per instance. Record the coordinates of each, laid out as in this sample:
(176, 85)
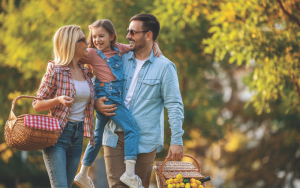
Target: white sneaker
(83, 182)
(133, 182)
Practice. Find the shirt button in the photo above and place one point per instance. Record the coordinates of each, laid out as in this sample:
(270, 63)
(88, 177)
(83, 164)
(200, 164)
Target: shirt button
(111, 88)
(135, 90)
(130, 77)
(132, 101)
(139, 78)
(126, 88)
(134, 67)
(142, 67)
(108, 61)
(117, 65)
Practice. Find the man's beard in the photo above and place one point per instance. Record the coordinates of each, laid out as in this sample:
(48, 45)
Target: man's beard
(138, 45)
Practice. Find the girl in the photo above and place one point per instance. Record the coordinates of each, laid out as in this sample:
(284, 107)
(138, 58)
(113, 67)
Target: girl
(105, 59)
(69, 93)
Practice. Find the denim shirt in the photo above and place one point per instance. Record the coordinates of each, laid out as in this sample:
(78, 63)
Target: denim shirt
(157, 87)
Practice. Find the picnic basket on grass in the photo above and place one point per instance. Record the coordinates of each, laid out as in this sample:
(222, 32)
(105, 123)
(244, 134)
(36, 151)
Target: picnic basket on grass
(169, 169)
(26, 138)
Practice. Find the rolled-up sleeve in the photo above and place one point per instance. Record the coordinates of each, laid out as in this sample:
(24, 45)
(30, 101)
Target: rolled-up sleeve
(173, 102)
(48, 87)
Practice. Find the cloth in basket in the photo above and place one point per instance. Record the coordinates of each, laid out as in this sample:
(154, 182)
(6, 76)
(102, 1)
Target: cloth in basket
(41, 122)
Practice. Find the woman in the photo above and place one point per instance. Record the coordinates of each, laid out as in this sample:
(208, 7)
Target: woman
(68, 92)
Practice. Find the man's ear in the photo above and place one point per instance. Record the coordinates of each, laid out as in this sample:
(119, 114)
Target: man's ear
(149, 36)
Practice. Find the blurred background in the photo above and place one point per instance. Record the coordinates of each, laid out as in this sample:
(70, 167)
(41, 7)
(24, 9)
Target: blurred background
(238, 67)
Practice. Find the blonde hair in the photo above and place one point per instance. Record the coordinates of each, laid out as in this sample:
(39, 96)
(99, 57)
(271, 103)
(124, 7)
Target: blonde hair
(108, 26)
(64, 42)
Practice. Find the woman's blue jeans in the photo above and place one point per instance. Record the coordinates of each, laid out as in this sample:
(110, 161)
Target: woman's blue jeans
(62, 160)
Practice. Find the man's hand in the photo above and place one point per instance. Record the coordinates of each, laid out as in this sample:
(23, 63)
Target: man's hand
(175, 152)
(107, 110)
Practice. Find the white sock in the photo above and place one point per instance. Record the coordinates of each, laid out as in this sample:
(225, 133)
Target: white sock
(84, 170)
(130, 166)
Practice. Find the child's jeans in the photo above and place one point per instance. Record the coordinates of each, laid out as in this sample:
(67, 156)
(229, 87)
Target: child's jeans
(123, 118)
(62, 160)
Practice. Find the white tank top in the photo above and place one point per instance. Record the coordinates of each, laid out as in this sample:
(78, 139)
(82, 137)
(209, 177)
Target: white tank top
(82, 99)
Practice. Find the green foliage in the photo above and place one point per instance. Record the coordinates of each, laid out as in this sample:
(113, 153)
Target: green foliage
(210, 42)
(264, 37)
(183, 27)
(26, 45)
(260, 35)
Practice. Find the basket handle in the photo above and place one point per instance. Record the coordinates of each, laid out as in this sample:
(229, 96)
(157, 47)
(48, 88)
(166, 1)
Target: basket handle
(22, 96)
(185, 155)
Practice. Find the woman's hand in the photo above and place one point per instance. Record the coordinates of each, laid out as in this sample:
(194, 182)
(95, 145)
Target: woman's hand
(156, 50)
(66, 101)
(47, 104)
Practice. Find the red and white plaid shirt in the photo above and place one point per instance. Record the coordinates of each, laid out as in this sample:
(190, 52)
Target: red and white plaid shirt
(59, 82)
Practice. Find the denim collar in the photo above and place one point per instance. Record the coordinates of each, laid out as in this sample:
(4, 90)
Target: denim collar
(150, 59)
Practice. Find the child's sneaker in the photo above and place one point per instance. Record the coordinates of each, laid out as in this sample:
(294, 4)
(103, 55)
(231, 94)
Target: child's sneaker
(133, 182)
(84, 182)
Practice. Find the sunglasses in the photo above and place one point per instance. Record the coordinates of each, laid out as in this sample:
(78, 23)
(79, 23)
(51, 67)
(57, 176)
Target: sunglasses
(82, 40)
(132, 32)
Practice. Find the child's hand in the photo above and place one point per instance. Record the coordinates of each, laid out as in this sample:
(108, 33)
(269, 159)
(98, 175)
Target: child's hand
(50, 67)
(156, 50)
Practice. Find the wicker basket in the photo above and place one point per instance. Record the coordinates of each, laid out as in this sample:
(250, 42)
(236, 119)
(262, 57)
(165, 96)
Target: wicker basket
(169, 169)
(23, 138)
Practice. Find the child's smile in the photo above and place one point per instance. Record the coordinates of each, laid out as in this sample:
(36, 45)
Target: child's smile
(101, 38)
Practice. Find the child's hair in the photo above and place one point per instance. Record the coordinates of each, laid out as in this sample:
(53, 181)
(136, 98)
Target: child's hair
(64, 42)
(108, 26)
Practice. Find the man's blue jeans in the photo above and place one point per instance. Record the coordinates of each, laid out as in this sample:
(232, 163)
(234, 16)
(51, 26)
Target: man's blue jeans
(62, 160)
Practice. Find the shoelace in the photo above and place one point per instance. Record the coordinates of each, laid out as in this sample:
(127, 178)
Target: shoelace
(139, 181)
(91, 182)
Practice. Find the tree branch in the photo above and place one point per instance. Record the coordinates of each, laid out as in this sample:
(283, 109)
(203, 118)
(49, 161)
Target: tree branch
(297, 6)
(293, 18)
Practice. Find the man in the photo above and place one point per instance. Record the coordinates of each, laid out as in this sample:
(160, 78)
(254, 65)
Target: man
(150, 84)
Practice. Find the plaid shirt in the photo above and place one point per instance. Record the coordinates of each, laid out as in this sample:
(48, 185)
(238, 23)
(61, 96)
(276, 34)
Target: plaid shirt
(59, 82)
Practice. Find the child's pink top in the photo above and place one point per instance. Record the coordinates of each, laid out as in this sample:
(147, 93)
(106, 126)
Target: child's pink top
(100, 68)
